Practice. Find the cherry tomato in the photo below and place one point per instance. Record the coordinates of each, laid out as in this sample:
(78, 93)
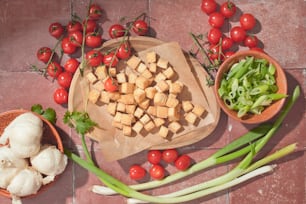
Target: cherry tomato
(140, 27)
(258, 49)
(170, 155)
(74, 26)
(251, 41)
(228, 9)
(110, 85)
(56, 30)
(137, 172)
(93, 40)
(124, 51)
(154, 156)
(208, 6)
(116, 31)
(237, 34)
(183, 162)
(71, 65)
(54, 69)
(110, 60)
(44, 54)
(60, 96)
(227, 43)
(216, 20)
(247, 21)
(76, 38)
(91, 26)
(214, 52)
(94, 58)
(214, 35)
(228, 54)
(67, 46)
(157, 172)
(95, 12)
(64, 79)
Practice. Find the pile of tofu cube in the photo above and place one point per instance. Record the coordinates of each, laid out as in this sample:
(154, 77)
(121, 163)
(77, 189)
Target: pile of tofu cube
(147, 99)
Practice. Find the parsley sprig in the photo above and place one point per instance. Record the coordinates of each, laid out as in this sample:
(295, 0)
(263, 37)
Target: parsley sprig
(80, 121)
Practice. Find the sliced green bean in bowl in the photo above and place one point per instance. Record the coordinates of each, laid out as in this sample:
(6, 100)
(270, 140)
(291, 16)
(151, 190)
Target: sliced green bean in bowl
(251, 87)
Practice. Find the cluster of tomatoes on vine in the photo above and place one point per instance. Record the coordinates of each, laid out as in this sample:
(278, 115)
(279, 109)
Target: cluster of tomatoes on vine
(157, 170)
(70, 39)
(220, 45)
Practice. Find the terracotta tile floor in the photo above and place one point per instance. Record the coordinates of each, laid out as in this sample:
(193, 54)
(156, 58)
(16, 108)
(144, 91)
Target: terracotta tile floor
(281, 27)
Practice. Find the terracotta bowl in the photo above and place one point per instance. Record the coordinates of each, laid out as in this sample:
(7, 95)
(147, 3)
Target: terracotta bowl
(270, 110)
(50, 136)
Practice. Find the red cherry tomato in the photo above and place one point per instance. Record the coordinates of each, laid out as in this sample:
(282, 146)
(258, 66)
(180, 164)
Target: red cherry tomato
(91, 26)
(228, 54)
(44, 54)
(93, 40)
(64, 79)
(56, 30)
(74, 26)
(60, 96)
(76, 38)
(214, 35)
(154, 156)
(124, 51)
(71, 65)
(170, 155)
(67, 46)
(227, 43)
(54, 69)
(228, 9)
(110, 60)
(94, 58)
(183, 162)
(116, 31)
(157, 172)
(137, 172)
(95, 12)
(140, 27)
(247, 21)
(237, 34)
(216, 20)
(111, 85)
(251, 41)
(208, 6)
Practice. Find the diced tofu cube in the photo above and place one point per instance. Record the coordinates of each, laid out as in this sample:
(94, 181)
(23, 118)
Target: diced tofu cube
(144, 104)
(91, 77)
(176, 87)
(172, 102)
(174, 113)
(161, 112)
(141, 67)
(114, 96)
(153, 67)
(174, 126)
(162, 63)
(101, 72)
(121, 77)
(142, 82)
(130, 108)
(127, 99)
(104, 98)
(117, 125)
(163, 131)
(198, 110)
(121, 107)
(151, 110)
(127, 88)
(133, 62)
(147, 74)
(160, 77)
(162, 86)
(160, 99)
(132, 78)
(111, 108)
(127, 130)
(191, 118)
(137, 127)
(145, 119)
(138, 112)
(93, 95)
(151, 57)
(149, 126)
(117, 117)
(126, 119)
(187, 106)
(98, 86)
(169, 72)
(159, 122)
(112, 71)
(139, 95)
(150, 92)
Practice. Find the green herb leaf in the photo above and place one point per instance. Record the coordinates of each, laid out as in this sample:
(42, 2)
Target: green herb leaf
(80, 121)
(37, 108)
(50, 115)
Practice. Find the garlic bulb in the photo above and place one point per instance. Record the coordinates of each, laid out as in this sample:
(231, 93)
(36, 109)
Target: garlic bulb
(9, 160)
(6, 175)
(26, 182)
(49, 161)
